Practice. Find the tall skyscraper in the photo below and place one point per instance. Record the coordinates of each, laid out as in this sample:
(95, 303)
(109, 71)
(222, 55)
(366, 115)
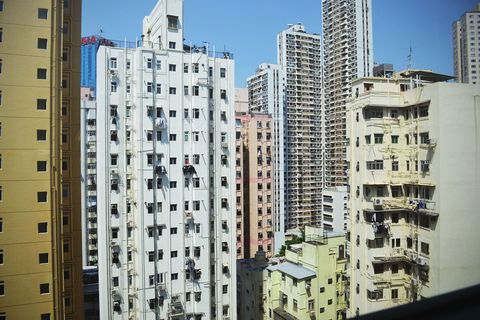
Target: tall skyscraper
(300, 59)
(266, 95)
(254, 186)
(347, 45)
(166, 176)
(414, 185)
(466, 47)
(40, 221)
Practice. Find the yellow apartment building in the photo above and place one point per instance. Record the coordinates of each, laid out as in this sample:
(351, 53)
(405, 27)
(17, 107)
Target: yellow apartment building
(310, 284)
(40, 222)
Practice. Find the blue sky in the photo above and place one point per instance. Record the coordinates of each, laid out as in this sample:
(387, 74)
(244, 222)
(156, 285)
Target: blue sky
(248, 28)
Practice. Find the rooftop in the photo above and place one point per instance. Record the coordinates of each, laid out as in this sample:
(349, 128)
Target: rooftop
(296, 271)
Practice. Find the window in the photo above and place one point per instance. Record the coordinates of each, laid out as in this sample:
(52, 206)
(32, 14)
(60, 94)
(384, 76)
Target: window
(378, 138)
(195, 136)
(149, 63)
(149, 87)
(42, 13)
(114, 159)
(42, 196)
(394, 139)
(185, 68)
(173, 208)
(159, 88)
(172, 22)
(396, 243)
(368, 139)
(44, 288)
(41, 166)
(223, 94)
(113, 86)
(195, 91)
(424, 248)
(196, 205)
(172, 67)
(1, 257)
(173, 137)
(41, 73)
(394, 293)
(196, 113)
(42, 43)
(395, 268)
(41, 104)
(424, 138)
(171, 45)
(185, 92)
(196, 159)
(375, 165)
(172, 113)
(424, 111)
(172, 90)
(174, 276)
(173, 184)
(2, 288)
(223, 72)
(113, 63)
(66, 28)
(174, 254)
(42, 227)
(378, 268)
(42, 258)
(1, 6)
(394, 165)
(195, 67)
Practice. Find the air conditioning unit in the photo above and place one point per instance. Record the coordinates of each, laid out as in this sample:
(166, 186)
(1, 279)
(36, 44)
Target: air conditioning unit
(378, 202)
(421, 261)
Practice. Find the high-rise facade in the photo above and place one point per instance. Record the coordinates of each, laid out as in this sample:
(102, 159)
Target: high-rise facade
(266, 95)
(166, 176)
(414, 185)
(89, 176)
(347, 45)
(299, 55)
(254, 188)
(40, 221)
(466, 47)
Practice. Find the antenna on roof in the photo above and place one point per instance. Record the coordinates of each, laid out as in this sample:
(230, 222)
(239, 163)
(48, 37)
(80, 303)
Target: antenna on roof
(410, 58)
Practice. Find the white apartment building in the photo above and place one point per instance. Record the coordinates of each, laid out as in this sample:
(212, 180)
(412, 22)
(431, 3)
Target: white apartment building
(300, 58)
(348, 54)
(335, 209)
(266, 95)
(414, 186)
(165, 176)
(88, 148)
(466, 47)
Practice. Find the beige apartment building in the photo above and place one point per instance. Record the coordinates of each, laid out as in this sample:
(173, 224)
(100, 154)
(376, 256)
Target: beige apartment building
(40, 221)
(254, 168)
(414, 186)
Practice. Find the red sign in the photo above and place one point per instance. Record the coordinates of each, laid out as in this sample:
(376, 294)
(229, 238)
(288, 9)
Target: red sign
(89, 40)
